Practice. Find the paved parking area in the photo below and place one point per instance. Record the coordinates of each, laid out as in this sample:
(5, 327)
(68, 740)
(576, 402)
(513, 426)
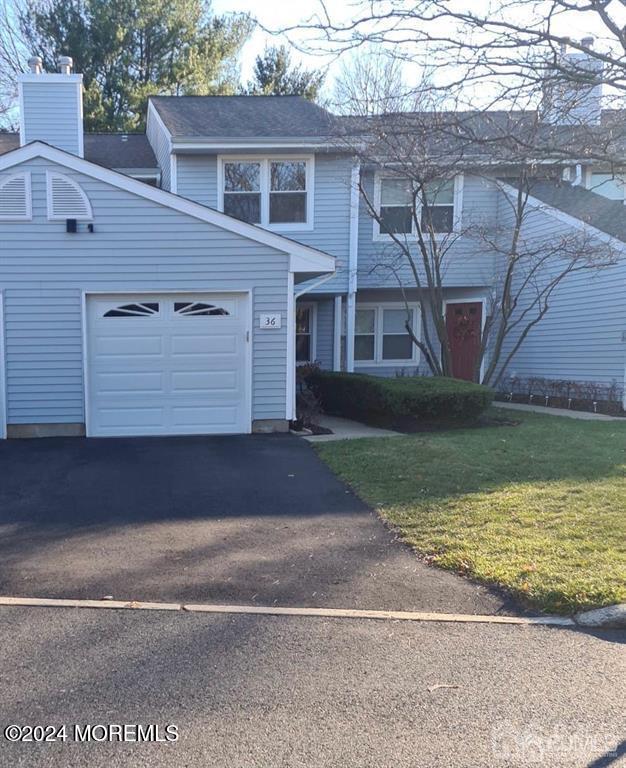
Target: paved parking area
(221, 519)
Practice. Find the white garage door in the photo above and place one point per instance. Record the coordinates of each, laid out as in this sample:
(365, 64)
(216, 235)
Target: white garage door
(167, 364)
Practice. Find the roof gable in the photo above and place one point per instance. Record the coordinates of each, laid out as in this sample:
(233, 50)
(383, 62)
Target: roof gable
(302, 258)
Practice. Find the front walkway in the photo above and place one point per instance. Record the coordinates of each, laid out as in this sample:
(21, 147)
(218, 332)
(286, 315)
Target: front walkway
(345, 429)
(582, 415)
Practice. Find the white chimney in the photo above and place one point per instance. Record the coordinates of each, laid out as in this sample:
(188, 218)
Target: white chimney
(36, 65)
(572, 91)
(52, 106)
(65, 65)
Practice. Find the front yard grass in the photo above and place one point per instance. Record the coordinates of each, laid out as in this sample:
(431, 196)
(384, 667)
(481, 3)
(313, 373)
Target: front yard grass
(538, 509)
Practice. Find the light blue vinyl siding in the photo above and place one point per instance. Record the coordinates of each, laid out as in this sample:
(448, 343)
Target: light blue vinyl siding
(161, 148)
(138, 245)
(197, 180)
(52, 113)
(325, 333)
(468, 262)
(581, 336)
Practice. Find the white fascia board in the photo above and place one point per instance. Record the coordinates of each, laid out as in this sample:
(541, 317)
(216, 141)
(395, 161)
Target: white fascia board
(191, 147)
(565, 218)
(302, 257)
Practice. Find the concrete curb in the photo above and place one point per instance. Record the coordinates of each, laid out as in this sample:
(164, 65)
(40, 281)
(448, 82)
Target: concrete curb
(609, 617)
(259, 610)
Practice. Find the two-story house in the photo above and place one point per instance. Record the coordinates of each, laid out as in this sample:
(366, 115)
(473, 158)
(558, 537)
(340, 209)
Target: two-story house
(169, 283)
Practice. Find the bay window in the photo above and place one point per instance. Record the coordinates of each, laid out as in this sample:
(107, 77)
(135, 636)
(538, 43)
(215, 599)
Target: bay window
(273, 192)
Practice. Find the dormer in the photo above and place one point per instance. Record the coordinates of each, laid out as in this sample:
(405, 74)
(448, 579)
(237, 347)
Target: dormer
(51, 106)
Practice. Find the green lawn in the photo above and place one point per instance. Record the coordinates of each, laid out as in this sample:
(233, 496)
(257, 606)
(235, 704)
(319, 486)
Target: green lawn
(538, 508)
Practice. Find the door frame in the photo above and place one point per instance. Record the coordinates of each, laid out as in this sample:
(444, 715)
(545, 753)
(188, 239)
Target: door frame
(483, 318)
(3, 377)
(248, 339)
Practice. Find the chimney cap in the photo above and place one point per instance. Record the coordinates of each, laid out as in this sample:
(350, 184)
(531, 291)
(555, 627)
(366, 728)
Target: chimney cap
(587, 42)
(65, 65)
(36, 65)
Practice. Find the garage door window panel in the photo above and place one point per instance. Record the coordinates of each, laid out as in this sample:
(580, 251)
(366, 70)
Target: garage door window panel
(134, 310)
(199, 309)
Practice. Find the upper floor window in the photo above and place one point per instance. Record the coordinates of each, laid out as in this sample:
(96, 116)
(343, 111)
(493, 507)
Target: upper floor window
(273, 192)
(439, 211)
(399, 207)
(396, 206)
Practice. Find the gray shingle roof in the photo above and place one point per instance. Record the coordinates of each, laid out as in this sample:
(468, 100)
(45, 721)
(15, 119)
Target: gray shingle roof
(115, 150)
(606, 215)
(243, 117)
(8, 141)
(112, 150)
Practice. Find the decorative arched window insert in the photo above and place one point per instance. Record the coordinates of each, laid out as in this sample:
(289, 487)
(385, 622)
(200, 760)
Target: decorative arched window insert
(16, 197)
(134, 310)
(66, 198)
(198, 309)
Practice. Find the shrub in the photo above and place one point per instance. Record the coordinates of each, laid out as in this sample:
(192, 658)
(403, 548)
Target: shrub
(401, 403)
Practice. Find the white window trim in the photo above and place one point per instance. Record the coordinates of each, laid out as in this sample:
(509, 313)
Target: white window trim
(264, 186)
(312, 307)
(379, 307)
(382, 237)
(28, 191)
(50, 175)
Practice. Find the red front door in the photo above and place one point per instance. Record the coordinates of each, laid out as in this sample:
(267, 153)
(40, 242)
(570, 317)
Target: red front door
(464, 323)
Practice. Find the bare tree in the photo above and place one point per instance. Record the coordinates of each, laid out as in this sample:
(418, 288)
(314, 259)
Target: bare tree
(420, 155)
(511, 100)
(370, 82)
(12, 60)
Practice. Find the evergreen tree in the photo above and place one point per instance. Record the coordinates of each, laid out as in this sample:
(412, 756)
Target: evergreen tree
(274, 75)
(129, 49)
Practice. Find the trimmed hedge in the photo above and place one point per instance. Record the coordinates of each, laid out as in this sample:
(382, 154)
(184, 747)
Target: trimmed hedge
(404, 403)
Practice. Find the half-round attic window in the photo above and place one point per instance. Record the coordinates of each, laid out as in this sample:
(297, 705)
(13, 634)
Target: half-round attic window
(66, 198)
(15, 197)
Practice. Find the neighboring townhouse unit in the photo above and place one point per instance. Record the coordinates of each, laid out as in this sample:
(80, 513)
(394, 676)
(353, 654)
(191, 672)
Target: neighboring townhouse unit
(169, 283)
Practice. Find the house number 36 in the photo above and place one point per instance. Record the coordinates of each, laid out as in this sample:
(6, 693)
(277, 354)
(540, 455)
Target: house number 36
(269, 322)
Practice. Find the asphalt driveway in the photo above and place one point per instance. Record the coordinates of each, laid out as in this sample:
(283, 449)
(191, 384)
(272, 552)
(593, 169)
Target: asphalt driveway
(220, 519)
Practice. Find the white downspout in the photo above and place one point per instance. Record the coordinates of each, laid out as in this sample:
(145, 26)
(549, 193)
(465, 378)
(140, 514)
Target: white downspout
(353, 257)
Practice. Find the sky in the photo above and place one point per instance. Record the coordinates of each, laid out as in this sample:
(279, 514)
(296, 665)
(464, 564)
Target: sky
(277, 14)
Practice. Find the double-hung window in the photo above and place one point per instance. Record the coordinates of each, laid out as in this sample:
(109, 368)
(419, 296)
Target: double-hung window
(398, 206)
(242, 191)
(438, 212)
(274, 192)
(381, 337)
